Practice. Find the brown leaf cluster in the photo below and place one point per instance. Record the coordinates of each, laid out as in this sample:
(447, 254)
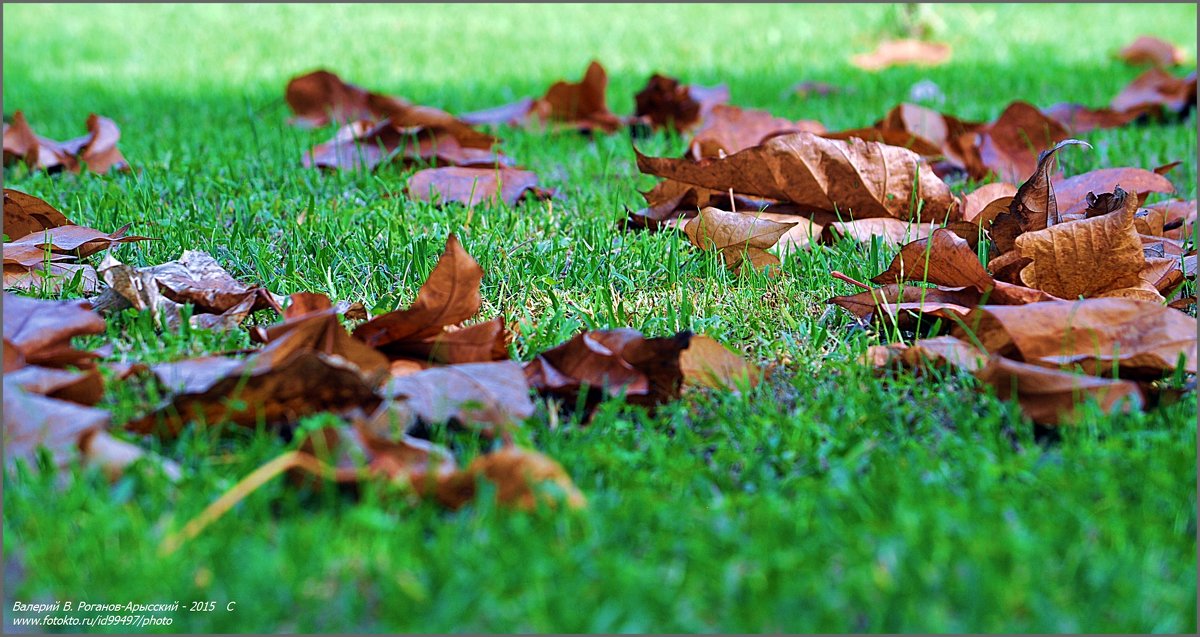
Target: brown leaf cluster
(97, 151)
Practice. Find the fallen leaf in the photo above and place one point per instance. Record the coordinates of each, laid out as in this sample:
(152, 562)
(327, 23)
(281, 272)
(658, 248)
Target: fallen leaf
(363, 145)
(78, 240)
(1035, 206)
(1009, 146)
(1087, 257)
(521, 477)
(976, 201)
(486, 397)
(1073, 191)
(41, 331)
(902, 53)
(610, 362)
(25, 215)
(473, 186)
(1134, 338)
(927, 353)
(665, 103)
(97, 151)
(708, 363)
(891, 232)
(32, 421)
(1081, 119)
(1052, 397)
(311, 323)
(514, 114)
(50, 276)
(1157, 89)
(581, 104)
(1152, 51)
(219, 300)
(1176, 217)
(731, 129)
(264, 388)
(321, 97)
(854, 178)
(920, 129)
(739, 237)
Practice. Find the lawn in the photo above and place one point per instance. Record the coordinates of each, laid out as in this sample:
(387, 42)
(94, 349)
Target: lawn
(822, 500)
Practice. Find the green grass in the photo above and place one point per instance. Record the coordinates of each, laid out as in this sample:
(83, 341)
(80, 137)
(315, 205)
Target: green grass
(824, 500)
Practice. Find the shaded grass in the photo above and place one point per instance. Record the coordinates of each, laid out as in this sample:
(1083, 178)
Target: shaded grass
(825, 500)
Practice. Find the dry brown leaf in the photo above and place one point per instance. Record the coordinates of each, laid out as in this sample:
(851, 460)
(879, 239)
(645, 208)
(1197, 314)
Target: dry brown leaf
(611, 362)
(32, 421)
(1159, 90)
(731, 129)
(1176, 217)
(363, 145)
(486, 397)
(1051, 397)
(854, 178)
(97, 151)
(473, 186)
(1009, 146)
(708, 363)
(78, 240)
(311, 323)
(25, 215)
(891, 232)
(41, 331)
(922, 130)
(580, 104)
(1034, 207)
(521, 477)
(321, 97)
(1137, 339)
(1153, 51)
(50, 277)
(739, 237)
(1072, 192)
(1086, 257)
(665, 103)
(1081, 119)
(902, 53)
(975, 202)
(941, 351)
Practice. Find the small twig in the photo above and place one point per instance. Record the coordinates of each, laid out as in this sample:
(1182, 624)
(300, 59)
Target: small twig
(842, 277)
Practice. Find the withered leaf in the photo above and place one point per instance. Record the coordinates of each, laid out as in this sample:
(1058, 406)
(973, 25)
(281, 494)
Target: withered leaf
(975, 202)
(1010, 146)
(266, 387)
(1081, 119)
(32, 421)
(856, 178)
(1138, 339)
(941, 351)
(311, 323)
(521, 477)
(922, 130)
(319, 97)
(1051, 397)
(1157, 89)
(708, 363)
(1072, 192)
(97, 151)
(1086, 257)
(219, 300)
(1035, 206)
(1176, 217)
(42, 330)
(473, 186)
(665, 103)
(365, 145)
(902, 53)
(891, 232)
(25, 215)
(483, 396)
(78, 240)
(739, 237)
(731, 129)
(580, 104)
(1150, 50)
(50, 277)
(610, 362)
